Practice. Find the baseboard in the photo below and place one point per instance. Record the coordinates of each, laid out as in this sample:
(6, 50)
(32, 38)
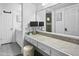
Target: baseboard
(8, 43)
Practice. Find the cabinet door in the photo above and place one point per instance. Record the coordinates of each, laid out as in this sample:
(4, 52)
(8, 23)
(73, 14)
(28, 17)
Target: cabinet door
(57, 53)
(34, 42)
(31, 40)
(27, 39)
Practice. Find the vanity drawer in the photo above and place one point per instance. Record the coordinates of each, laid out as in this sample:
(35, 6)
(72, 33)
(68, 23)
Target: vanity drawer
(28, 39)
(57, 53)
(34, 42)
(44, 48)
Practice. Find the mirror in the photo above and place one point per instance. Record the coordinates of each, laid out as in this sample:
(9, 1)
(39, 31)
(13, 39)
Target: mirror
(65, 18)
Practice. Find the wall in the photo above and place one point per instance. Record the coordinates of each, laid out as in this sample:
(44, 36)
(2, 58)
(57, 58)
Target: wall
(18, 17)
(41, 17)
(29, 13)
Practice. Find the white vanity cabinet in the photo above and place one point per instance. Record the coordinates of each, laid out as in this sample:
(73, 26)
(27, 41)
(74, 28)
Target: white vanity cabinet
(44, 48)
(27, 39)
(30, 40)
(34, 42)
(39, 45)
(55, 52)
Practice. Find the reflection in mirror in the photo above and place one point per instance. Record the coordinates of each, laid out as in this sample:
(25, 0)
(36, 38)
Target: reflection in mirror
(48, 19)
(63, 16)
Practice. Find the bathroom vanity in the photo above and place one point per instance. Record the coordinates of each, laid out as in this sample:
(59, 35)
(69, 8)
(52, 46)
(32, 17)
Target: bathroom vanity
(53, 46)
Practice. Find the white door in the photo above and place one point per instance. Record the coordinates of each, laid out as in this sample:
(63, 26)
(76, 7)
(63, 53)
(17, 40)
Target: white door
(71, 21)
(6, 28)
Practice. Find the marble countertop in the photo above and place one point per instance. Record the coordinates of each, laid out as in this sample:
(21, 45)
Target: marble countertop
(60, 45)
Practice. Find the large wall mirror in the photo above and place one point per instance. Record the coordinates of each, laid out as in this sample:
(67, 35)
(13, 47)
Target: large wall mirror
(64, 18)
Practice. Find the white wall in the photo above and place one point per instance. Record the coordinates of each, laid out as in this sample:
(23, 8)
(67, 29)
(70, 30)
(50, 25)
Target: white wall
(41, 17)
(29, 14)
(18, 17)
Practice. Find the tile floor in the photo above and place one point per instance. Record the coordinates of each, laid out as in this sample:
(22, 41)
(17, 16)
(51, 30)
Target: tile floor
(11, 49)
